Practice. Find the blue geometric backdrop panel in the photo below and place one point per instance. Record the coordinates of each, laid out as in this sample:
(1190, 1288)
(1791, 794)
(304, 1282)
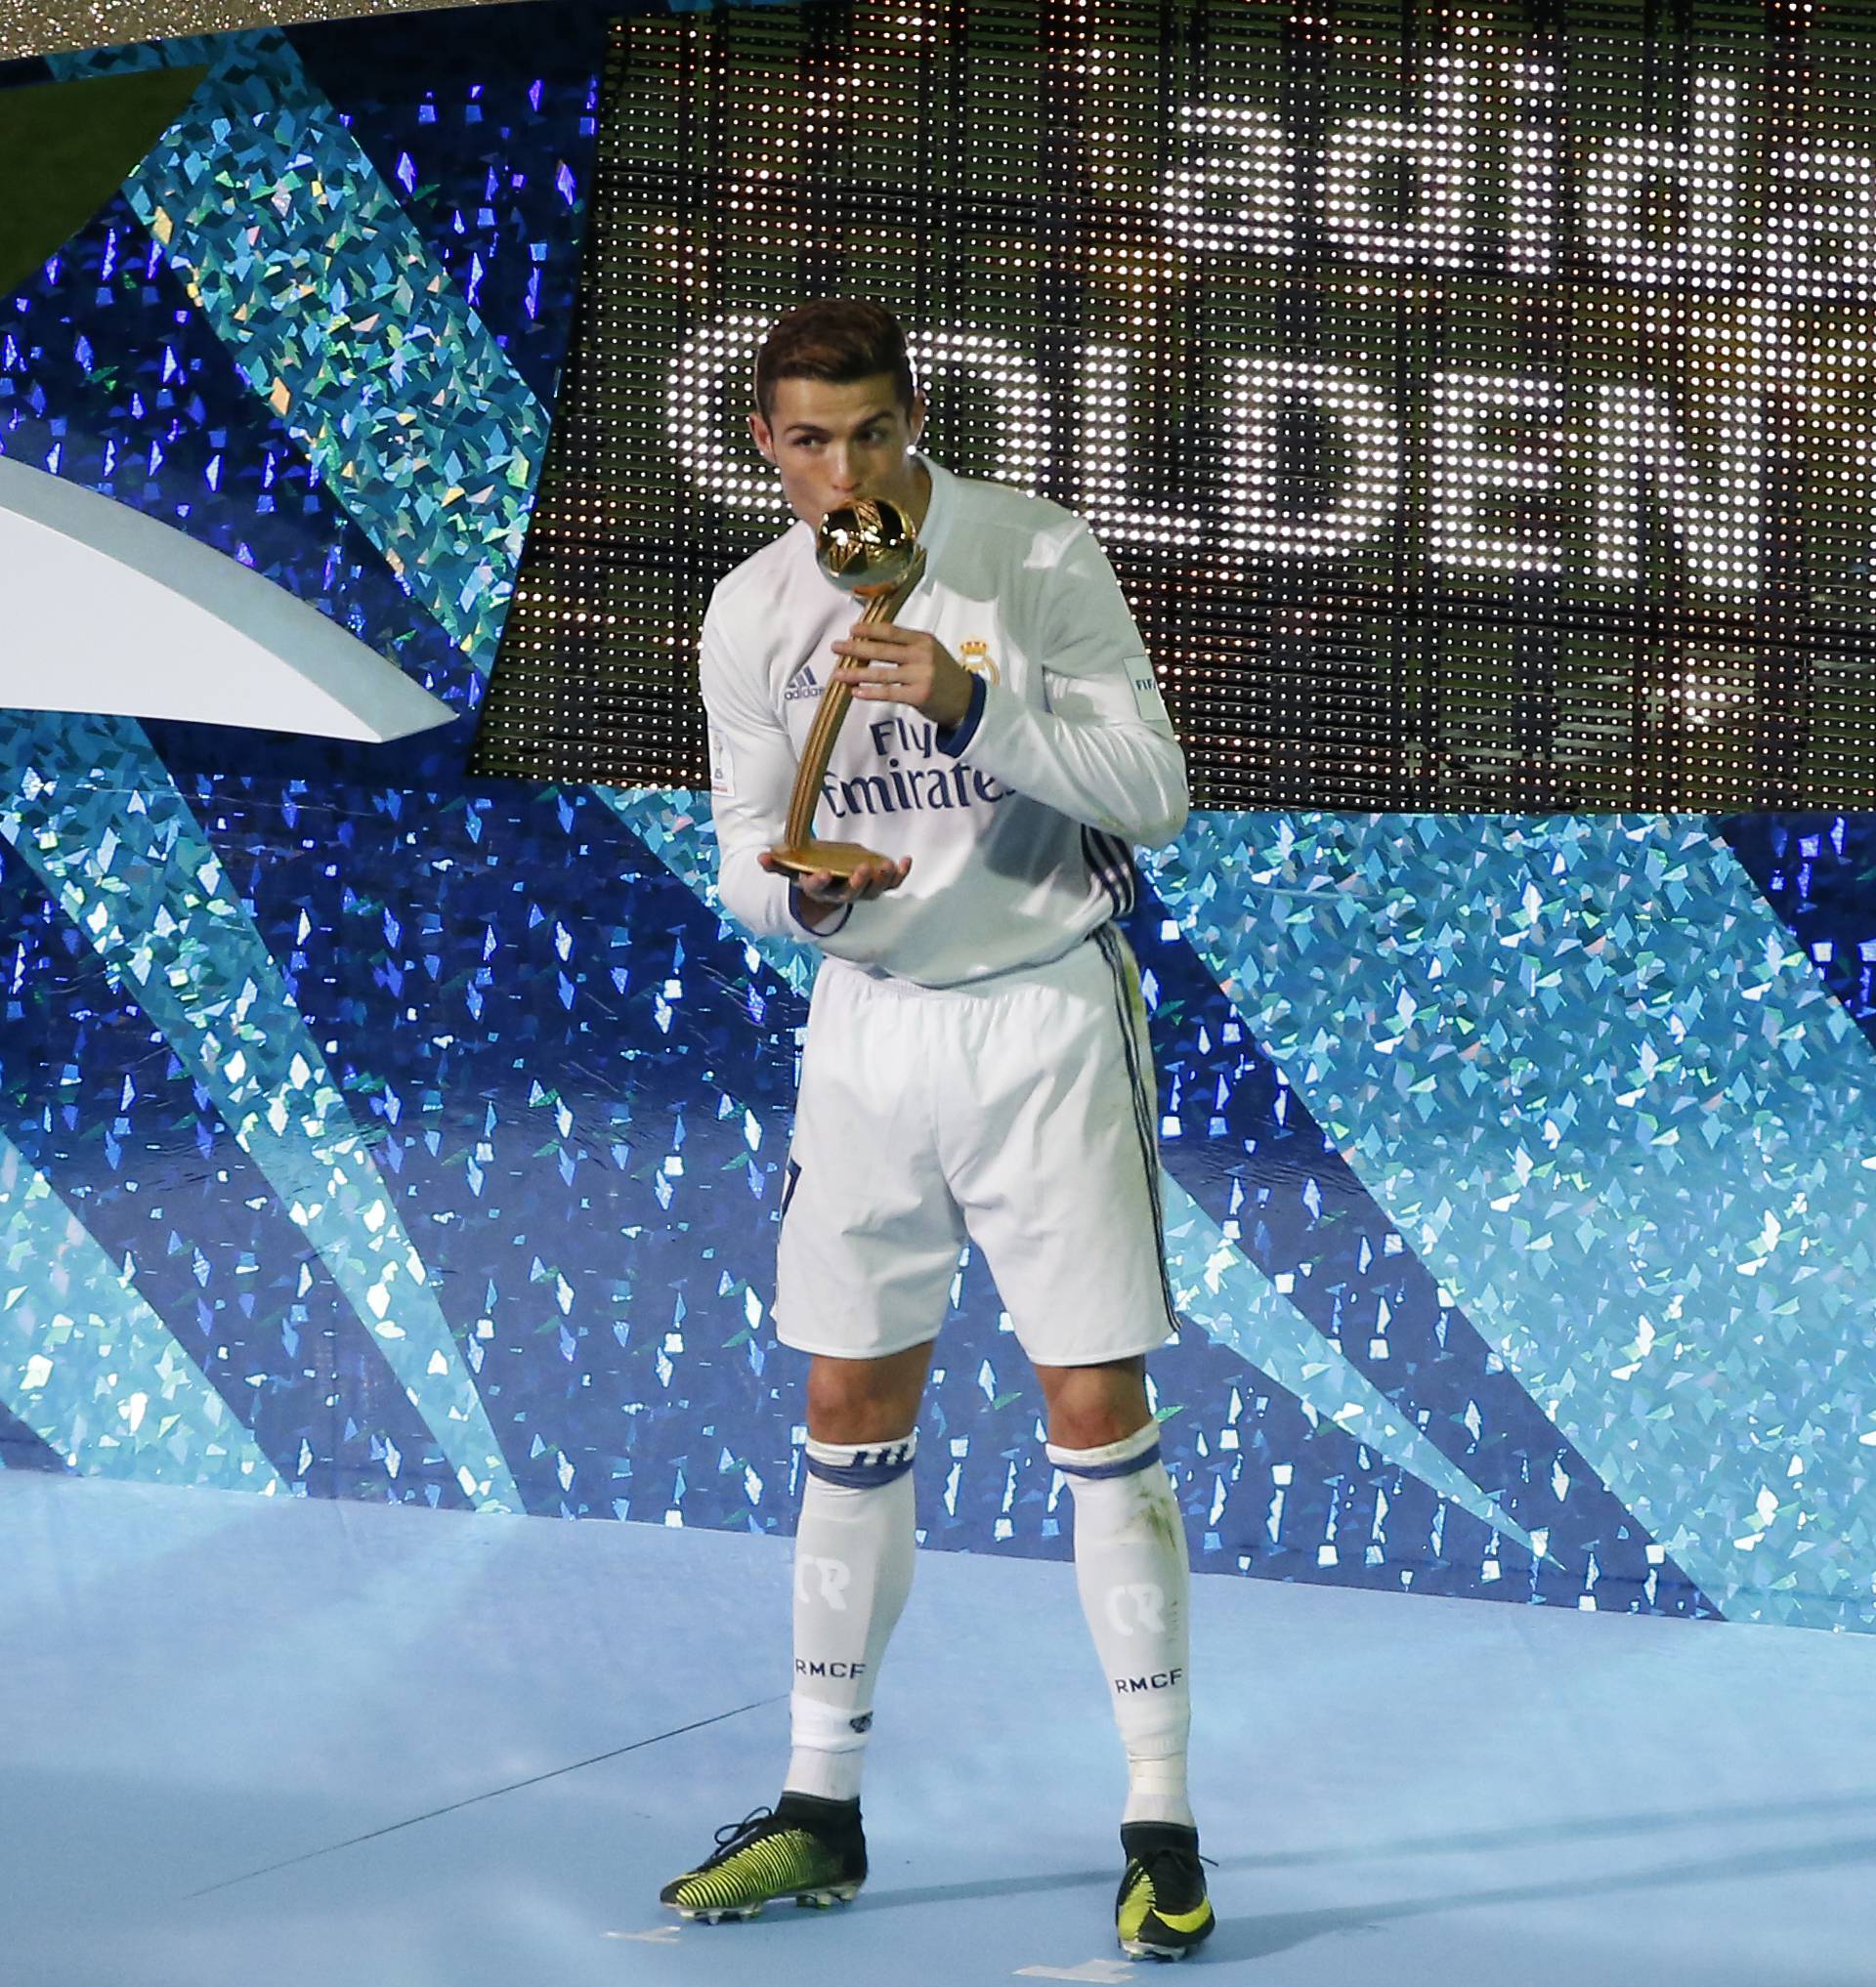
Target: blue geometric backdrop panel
(367, 1130)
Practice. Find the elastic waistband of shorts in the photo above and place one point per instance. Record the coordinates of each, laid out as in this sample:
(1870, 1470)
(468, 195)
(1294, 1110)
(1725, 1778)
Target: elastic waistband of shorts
(1064, 969)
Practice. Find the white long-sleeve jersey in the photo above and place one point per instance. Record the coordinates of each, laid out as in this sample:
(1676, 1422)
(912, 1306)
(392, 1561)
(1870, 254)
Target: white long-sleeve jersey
(1018, 818)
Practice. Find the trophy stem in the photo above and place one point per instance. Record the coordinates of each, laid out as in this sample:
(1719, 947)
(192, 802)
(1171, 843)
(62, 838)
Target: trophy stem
(798, 837)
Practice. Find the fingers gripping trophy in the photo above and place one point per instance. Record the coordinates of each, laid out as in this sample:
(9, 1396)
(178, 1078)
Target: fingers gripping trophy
(868, 549)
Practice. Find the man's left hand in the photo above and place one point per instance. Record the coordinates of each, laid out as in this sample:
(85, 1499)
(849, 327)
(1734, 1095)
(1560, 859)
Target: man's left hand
(888, 663)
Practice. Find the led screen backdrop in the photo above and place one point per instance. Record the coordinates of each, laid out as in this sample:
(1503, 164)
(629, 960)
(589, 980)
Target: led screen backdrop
(1479, 415)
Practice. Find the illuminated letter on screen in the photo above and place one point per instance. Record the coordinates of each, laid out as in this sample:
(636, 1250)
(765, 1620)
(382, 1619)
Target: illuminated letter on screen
(1441, 145)
(1466, 469)
(1022, 413)
(708, 392)
(1239, 198)
(1716, 524)
(1824, 246)
(1106, 396)
(1704, 171)
(1258, 388)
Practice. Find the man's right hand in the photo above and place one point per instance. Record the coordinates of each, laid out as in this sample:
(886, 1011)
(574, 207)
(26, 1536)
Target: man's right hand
(828, 893)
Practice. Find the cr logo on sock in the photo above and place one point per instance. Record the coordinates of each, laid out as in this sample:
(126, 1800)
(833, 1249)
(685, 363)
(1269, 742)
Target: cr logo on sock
(1147, 1603)
(835, 1577)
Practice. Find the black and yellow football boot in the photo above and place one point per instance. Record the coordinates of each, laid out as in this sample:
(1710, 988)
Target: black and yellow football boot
(804, 1847)
(1162, 1910)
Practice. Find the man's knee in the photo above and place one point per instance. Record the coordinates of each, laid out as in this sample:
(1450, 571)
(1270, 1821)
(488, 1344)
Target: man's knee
(865, 1400)
(1091, 1406)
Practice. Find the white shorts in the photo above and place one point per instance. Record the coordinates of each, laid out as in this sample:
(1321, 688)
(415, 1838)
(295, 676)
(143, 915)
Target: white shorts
(1020, 1114)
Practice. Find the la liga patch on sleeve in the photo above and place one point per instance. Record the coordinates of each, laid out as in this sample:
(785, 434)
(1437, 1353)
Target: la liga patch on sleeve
(722, 765)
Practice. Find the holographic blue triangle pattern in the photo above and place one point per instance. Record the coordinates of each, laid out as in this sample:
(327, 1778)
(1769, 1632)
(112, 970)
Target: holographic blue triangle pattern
(379, 342)
(1218, 1288)
(581, 1091)
(90, 1367)
(485, 130)
(1515, 1206)
(675, 824)
(97, 1101)
(110, 374)
(112, 379)
(24, 1448)
(587, 1082)
(1818, 873)
(341, 319)
(1238, 1138)
(128, 863)
(1612, 1107)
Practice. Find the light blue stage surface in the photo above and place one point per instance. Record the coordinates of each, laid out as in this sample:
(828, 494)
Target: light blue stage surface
(261, 1740)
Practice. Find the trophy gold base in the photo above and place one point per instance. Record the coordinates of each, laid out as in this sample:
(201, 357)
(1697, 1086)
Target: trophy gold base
(833, 859)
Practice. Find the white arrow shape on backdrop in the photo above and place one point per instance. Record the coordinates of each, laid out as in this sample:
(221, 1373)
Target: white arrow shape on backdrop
(111, 611)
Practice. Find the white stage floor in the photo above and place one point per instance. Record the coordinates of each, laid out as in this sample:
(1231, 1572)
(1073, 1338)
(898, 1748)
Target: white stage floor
(292, 1744)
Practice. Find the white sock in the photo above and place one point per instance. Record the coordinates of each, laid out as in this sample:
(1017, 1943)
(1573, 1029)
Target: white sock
(1135, 1583)
(853, 1555)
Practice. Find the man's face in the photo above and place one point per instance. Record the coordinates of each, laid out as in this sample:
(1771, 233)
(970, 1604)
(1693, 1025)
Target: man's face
(835, 442)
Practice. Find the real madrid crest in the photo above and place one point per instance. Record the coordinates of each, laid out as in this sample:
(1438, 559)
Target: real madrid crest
(975, 657)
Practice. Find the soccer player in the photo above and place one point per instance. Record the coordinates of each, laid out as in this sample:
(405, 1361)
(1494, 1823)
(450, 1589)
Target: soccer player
(976, 1064)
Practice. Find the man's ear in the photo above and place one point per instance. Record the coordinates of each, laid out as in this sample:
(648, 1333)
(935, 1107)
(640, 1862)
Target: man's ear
(764, 440)
(918, 420)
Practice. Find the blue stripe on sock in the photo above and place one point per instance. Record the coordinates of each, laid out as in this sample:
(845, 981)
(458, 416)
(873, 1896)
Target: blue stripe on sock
(869, 1468)
(1126, 1466)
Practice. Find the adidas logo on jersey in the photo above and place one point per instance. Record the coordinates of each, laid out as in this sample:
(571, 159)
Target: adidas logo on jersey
(803, 685)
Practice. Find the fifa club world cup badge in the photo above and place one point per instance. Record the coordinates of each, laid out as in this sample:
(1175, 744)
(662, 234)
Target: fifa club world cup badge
(975, 657)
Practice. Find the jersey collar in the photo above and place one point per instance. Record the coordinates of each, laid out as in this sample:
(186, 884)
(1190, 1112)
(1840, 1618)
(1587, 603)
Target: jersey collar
(938, 513)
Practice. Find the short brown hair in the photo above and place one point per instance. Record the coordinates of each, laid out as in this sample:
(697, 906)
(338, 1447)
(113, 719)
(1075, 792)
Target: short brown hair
(839, 339)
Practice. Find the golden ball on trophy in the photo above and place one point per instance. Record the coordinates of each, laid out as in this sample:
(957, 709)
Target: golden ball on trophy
(865, 545)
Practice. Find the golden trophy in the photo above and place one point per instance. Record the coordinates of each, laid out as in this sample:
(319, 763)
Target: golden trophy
(870, 550)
